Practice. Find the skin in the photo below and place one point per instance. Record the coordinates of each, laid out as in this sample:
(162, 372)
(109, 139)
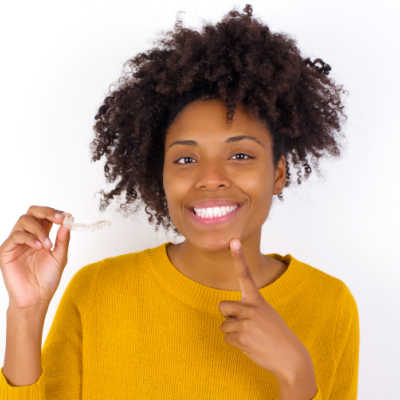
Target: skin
(216, 170)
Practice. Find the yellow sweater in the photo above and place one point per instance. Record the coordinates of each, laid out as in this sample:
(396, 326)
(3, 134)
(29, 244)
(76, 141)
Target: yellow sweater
(134, 327)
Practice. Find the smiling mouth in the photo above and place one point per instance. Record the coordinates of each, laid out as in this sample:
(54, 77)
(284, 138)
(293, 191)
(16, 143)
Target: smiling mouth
(214, 220)
(237, 206)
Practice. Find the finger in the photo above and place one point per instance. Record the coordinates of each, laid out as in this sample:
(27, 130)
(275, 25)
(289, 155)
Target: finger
(235, 309)
(23, 237)
(60, 251)
(247, 284)
(31, 225)
(231, 325)
(45, 213)
(235, 339)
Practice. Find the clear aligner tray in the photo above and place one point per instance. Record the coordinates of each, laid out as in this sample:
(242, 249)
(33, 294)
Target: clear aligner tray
(95, 226)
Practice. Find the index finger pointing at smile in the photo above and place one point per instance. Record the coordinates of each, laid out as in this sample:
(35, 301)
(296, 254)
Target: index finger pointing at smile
(247, 284)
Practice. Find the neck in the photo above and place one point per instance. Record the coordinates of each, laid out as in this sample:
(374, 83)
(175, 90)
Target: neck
(214, 267)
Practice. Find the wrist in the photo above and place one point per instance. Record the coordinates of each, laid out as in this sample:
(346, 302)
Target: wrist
(34, 312)
(299, 384)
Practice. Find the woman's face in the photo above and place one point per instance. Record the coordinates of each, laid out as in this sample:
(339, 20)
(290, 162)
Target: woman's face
(214, 167)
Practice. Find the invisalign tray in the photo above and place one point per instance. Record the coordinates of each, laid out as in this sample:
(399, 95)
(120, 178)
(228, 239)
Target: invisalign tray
(69, 222)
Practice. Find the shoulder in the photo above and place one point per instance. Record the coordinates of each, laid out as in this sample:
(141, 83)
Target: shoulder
(331, 293)
(114, 273)
(107, 278)
(347, 319)
(326, 284)
(124, 263)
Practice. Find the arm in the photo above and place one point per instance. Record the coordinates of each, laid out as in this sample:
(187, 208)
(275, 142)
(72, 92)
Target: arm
(345, 370)
(22, 365)
(302, 386)
(60, 373)
(348, 340)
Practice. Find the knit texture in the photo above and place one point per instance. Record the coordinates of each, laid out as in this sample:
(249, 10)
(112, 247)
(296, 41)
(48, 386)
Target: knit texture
(134, 327)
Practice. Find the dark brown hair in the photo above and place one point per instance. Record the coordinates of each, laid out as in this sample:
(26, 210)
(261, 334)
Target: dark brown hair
(239, 61)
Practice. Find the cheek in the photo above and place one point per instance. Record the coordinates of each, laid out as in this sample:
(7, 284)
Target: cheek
(259, 189)
(256, 186)
(175, 189)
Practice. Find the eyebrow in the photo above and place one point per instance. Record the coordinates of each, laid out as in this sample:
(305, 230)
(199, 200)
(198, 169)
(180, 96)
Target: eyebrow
(229, 140)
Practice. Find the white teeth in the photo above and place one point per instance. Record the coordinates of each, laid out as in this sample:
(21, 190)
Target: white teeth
(213, 212)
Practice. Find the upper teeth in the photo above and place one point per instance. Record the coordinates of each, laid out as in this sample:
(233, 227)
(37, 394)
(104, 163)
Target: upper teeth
(214, 211)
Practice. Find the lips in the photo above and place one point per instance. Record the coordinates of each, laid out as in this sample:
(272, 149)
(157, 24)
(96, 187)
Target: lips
(214, 220)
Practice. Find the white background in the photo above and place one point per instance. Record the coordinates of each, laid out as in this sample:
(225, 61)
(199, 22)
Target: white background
(58, 60)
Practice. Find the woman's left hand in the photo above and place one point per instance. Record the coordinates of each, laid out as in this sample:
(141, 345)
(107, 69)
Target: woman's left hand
(257, 329)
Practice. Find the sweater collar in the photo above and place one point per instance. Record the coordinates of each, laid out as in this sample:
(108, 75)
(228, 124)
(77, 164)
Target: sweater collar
(206, 298)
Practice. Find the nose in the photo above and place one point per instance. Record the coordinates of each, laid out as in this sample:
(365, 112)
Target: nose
(212, 176)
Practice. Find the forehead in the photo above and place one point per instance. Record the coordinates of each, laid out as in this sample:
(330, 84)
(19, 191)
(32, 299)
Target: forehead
(209, 117)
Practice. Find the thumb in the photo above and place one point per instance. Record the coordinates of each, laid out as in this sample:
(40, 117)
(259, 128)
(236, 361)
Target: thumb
(60, 251)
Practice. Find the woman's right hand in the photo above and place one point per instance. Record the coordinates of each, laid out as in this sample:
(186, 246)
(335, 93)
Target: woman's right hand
(31, 273)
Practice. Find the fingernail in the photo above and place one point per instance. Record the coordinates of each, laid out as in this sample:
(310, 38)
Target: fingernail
(48, 243)
(235, 244)
(57, 216)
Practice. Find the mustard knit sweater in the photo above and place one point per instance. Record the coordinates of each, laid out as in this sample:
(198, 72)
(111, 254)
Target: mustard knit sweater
(134, 327)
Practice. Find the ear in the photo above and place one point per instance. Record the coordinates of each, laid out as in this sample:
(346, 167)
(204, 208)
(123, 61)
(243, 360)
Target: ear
(280, 175)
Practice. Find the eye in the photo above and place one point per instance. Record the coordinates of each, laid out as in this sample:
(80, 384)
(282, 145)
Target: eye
(249, 157)
(186, 158)
(180, 158)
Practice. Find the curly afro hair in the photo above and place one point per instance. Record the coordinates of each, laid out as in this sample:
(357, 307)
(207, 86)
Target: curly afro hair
(238, 60)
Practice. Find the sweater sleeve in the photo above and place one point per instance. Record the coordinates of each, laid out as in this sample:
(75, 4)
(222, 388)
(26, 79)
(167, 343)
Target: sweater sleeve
(62, 351)
(347, 336)
(318, 395)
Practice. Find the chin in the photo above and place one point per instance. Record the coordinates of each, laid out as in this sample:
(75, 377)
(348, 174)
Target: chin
(212, 243)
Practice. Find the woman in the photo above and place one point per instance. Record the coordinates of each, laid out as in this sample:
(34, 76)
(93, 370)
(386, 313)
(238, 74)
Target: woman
(202, 129)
